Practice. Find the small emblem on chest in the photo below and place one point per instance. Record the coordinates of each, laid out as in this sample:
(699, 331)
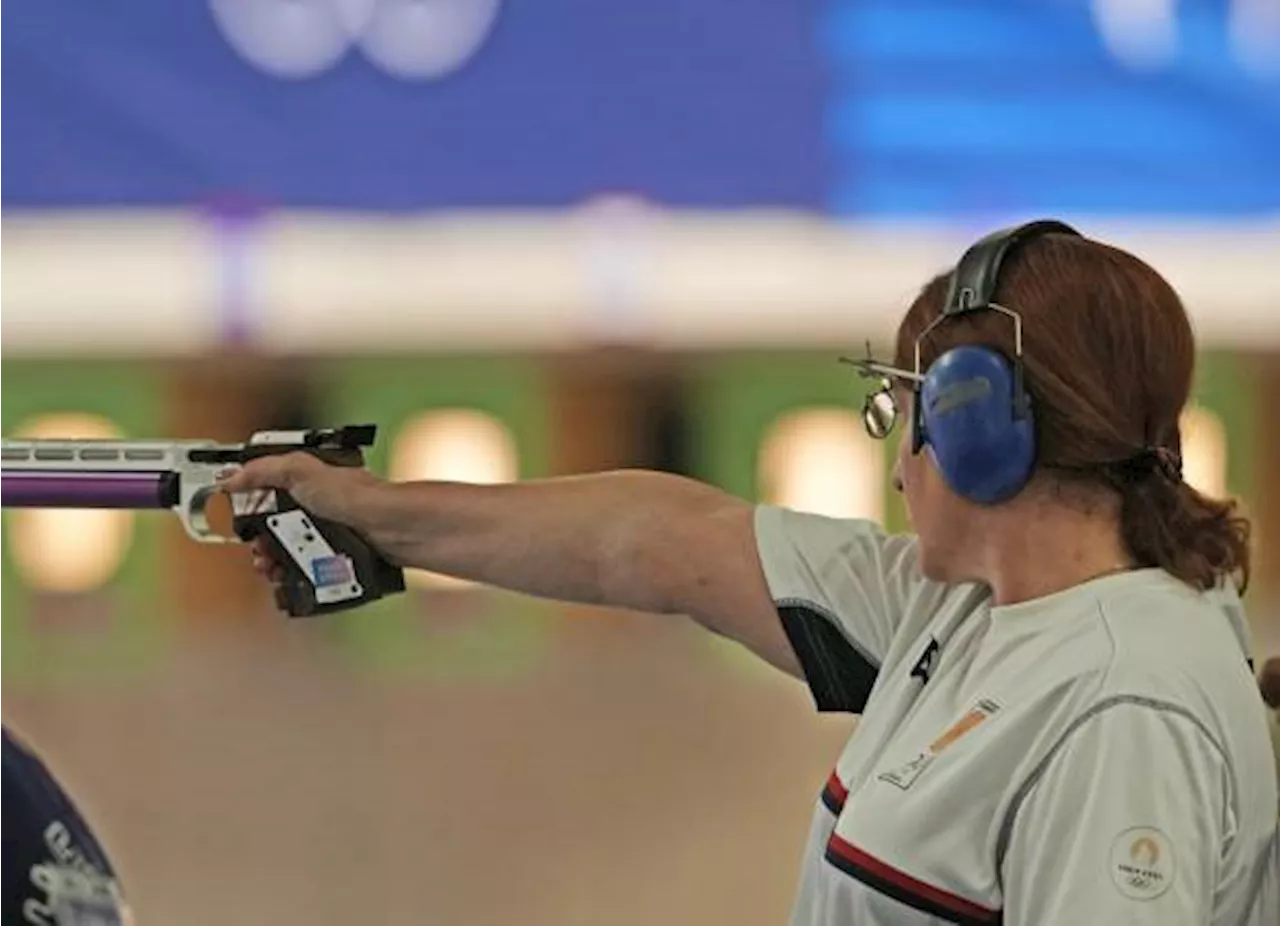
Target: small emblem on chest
(904, 776)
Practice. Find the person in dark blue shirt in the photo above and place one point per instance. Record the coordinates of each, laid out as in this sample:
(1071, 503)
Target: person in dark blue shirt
(56, 873)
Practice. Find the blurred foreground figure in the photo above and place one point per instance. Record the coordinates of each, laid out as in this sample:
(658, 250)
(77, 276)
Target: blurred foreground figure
(1269, 683)
(55, 871)
(1059, 722)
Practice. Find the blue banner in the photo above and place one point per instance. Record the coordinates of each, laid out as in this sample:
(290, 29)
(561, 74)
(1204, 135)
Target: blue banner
(855, 107)
(1093, 106)
(411, 104)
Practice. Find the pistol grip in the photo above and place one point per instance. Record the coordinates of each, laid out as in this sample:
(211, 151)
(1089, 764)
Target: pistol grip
(327, 566)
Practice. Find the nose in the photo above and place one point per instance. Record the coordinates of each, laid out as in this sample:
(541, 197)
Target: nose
(896, 476)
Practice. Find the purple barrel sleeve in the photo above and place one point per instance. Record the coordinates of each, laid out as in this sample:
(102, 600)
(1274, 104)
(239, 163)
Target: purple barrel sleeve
(49, 489)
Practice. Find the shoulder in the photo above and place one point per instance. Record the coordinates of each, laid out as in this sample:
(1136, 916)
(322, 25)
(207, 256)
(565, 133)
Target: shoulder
(855, 573)
(1164, 662)
(829, 543)
(1142, 644)
(1142, 633)
(1175, 643)
(807, 554)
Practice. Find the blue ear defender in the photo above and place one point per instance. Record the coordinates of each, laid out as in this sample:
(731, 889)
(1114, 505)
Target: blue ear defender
(971, 409)
(969, 425)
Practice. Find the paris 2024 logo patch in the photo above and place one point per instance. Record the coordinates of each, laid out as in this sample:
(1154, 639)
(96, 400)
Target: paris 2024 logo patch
(1142, 863)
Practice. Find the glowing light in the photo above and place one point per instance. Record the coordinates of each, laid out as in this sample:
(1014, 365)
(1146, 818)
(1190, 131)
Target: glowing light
(1255, 35)
(1141, 34)
(822, 461)
(67, 550)
(452, 445)
(1204, 451)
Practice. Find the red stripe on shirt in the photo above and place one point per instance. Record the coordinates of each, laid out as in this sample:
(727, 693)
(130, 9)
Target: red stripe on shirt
(928, 897)
(834, 794)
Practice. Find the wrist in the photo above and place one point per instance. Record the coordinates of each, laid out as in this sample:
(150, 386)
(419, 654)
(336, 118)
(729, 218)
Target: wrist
(370, 502)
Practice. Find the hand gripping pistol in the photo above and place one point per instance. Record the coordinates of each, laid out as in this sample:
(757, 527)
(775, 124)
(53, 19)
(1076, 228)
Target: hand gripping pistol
(328, 566)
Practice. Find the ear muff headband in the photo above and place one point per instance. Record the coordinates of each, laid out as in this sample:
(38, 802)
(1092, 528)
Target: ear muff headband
(977, 275)
(971, 407)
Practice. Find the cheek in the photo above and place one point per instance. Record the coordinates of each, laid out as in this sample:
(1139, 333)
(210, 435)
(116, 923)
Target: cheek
(910, 467)
(924, 491)
(911, 481)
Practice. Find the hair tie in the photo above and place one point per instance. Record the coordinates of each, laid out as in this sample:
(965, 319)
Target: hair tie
(1169, 461)
(1150, 461)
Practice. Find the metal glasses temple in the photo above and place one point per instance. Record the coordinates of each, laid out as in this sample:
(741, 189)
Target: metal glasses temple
(874, 369)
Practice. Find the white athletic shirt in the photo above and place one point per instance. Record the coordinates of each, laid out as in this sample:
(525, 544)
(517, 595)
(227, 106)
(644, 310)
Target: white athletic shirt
(1096, 756)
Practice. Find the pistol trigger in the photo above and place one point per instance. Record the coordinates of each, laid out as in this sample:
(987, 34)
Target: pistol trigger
(195, 517)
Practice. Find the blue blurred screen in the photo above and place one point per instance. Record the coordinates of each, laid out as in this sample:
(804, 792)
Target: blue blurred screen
(992, 105)
(879, 107)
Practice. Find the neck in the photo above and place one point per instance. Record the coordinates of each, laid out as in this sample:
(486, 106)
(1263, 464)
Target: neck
(1037, 549)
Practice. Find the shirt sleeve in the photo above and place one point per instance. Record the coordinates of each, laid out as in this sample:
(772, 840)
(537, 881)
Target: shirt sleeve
(1126, 823)
(843, 588)
(1267, 901)
(1273, 727)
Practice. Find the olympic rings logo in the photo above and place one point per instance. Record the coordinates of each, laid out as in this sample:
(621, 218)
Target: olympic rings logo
(413, 40)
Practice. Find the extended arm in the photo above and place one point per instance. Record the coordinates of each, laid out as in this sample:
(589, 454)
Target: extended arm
(632, 539)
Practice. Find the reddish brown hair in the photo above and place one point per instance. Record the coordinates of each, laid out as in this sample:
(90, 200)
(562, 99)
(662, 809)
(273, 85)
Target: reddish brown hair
(1109, 356)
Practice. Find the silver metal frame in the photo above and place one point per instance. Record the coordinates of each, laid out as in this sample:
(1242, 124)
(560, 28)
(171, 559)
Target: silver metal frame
(873, 369)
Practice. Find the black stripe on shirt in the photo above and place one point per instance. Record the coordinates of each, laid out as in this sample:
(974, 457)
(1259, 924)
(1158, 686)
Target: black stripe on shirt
(839, 676)
(884, 879)
(834, 794)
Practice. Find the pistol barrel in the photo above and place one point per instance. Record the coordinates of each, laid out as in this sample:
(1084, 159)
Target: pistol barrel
(89, 489)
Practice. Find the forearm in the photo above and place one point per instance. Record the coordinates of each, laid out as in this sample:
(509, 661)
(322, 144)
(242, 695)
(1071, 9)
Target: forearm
(622, 538)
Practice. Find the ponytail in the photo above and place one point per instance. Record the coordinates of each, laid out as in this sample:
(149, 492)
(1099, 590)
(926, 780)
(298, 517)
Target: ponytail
(1168, 524)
